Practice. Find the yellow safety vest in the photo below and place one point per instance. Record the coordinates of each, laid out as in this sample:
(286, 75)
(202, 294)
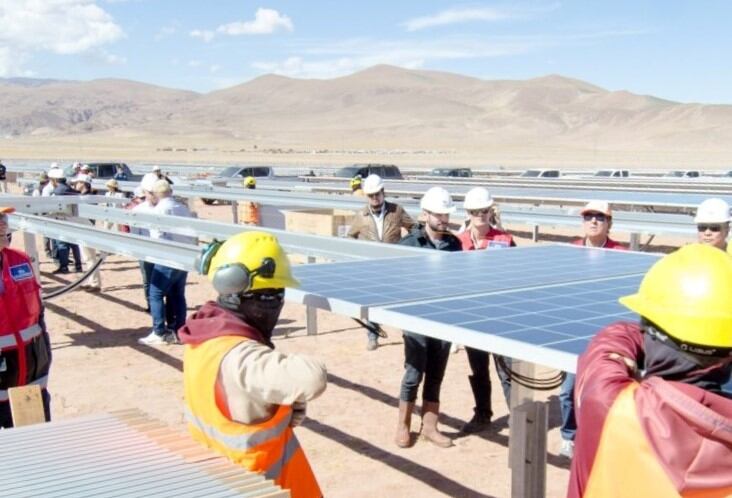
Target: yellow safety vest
(268, 447)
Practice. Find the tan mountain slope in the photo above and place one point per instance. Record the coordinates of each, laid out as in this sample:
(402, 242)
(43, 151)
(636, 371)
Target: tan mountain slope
(381, 107)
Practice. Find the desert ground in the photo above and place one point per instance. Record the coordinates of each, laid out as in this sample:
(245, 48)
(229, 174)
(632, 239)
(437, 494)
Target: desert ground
(98, 366)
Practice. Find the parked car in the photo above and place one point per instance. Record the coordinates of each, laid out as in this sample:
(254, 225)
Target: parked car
(453, 172)
(222, 178)
(687, 173)
(613, 173)
(540, 173)
(106, 171)
(387, 171)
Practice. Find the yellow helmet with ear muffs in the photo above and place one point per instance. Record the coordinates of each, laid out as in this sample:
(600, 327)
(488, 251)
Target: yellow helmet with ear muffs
(246, 262)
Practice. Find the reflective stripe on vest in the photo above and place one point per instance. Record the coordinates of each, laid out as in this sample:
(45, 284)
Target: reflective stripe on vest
(241, 442)
(276, 469)
(43, 382)
(27, 334)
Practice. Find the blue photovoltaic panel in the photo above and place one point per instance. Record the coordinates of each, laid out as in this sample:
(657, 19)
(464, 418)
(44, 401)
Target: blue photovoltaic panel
(560, 318)
(437, 274)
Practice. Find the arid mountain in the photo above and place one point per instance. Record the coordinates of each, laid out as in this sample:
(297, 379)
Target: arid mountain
(384, 106)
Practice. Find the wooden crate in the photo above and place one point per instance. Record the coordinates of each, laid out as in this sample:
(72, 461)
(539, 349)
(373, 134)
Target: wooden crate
(335, 222)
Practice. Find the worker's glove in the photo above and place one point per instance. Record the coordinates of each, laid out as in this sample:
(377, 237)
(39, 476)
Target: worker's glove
(298, 413)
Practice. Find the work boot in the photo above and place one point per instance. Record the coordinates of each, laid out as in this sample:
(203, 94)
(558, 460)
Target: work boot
(403, 438)
(430, 414)
(478, 423)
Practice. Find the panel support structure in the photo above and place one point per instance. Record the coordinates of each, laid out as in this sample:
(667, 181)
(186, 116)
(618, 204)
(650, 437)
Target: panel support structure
(311, 312)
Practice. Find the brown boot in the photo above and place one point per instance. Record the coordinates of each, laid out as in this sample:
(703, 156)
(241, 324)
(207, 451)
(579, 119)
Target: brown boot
(403, 438)
(430, 413)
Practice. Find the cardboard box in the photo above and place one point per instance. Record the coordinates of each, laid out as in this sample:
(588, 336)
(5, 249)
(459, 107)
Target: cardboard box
(333, 222)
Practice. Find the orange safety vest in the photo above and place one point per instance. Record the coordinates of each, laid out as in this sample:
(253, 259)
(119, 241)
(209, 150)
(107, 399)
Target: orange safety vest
(251, 213)
(268, 447)
(625, 463)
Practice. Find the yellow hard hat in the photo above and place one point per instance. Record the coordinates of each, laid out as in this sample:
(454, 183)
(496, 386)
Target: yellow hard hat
(250, 261)
(688, 294)
(249, 181)
(355, 181)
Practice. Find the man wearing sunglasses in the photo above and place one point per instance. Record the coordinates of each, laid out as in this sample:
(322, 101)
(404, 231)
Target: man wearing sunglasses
(712, 223)
(481, 234)
(243, 397)
(25, 348)
(380, 221)
(426, 357)
(597, 219)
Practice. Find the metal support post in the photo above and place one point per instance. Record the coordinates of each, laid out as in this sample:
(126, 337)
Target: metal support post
(311, 312)
(535, 233)
(31, 249)
(235, 212)
(527, 441)
(634, 241)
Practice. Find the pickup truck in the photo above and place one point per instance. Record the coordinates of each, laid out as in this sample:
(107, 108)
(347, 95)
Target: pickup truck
(106, 171)
(386, 171)
(452, 172)
(540, 173)
(687, 173)
(222, 178)
(612, 173)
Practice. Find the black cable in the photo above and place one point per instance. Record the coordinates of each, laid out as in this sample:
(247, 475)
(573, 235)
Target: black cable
(74, 285)
(537, 384)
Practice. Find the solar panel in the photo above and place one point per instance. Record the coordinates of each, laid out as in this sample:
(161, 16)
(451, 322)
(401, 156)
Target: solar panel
(548, 325)
(353, 288)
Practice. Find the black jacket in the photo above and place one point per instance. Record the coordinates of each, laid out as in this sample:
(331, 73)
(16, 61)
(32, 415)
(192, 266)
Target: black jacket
(3, 171)
(418, 237)
(63, 189)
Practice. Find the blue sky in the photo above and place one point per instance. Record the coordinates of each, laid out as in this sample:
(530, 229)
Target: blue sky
(672, 49)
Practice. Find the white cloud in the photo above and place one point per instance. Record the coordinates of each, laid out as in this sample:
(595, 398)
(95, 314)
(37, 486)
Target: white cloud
(165, 32)
(454, 16)
(266, 21)
(194, 63)
(203, 34)
(214, 68)
(66, 27)
(60, 26)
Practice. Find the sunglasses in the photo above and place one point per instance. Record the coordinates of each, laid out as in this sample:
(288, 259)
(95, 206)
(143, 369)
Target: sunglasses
(266, 296)
(598, 216)
(711, 228)
(479, 212)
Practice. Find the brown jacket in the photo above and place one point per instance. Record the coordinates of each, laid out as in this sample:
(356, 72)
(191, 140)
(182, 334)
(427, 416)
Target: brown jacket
(395, 218)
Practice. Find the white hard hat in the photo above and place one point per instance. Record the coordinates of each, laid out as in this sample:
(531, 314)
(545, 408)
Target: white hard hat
(82, 178)
(437, 200)
(54, 165)
(85, 167)
(372, 184)
(162, 187)
(55, 173)
(148, 182)
(477, 198)
(139, 192)
(156, 168)
(597, 207)
(712, 210)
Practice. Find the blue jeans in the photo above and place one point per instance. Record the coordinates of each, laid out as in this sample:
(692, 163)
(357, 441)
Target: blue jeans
(167, 290)
(62, 249)
(566, 405)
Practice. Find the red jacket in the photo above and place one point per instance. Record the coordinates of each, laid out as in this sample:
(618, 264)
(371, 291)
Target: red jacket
(494, 238)
(609, 244)
(652, 438)
(24, 346)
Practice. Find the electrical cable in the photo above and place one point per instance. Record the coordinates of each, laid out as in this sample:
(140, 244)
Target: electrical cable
(535, 383)
(74, 285)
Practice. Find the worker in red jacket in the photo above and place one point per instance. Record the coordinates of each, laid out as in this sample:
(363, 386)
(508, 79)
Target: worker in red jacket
(652, 418)
(25, 348)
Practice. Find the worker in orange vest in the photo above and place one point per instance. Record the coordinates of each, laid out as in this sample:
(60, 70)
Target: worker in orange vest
(243, 397)
(653, 419)
(251, 211)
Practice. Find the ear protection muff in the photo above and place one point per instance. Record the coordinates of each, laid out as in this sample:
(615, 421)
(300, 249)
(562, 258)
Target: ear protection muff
(236, 278)
(203, 261)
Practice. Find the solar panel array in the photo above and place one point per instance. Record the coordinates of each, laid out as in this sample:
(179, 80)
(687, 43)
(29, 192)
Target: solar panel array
(539, 303)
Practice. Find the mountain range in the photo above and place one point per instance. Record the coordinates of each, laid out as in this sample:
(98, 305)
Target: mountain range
(383, 106)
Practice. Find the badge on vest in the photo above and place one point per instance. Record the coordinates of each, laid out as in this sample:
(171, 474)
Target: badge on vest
(498, 244)
(20, 272)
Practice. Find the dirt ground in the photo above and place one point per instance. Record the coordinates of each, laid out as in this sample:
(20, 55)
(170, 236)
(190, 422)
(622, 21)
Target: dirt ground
(98, 367)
